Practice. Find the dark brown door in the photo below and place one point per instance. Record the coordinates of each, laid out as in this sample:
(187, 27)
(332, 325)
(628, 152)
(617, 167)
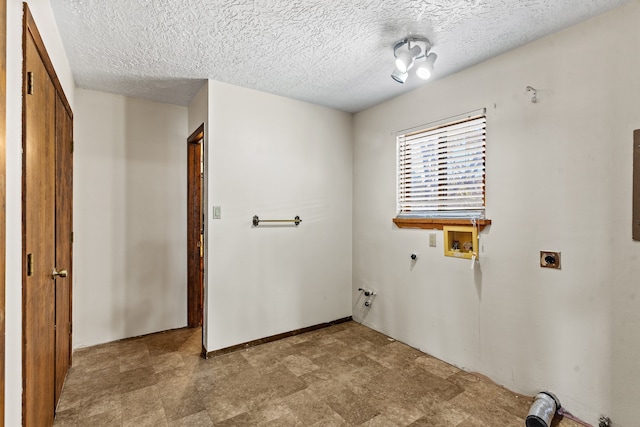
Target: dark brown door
(195, 235)
(38, 241)
(64, 220)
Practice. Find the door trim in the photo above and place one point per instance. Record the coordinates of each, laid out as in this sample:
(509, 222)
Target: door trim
(30, 28)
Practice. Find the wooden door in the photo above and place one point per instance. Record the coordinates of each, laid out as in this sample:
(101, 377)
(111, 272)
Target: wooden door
(47, 219)
(38, 240)
(64, 239)
(195, 241)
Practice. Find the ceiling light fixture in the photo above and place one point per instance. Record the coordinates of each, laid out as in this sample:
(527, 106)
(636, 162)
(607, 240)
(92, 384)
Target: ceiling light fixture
(413, 51)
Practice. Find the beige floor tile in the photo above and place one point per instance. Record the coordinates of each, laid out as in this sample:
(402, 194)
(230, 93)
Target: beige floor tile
(141, 402)
(281, 382)
(134, 360)
(109, 403)
(473, 422)
(322, 387)
(167, 361)
(67, 417)
(514, 404)
(435, 366)
(299, 365)
(379, 421)
(199, 419)
(150, 419)
(307, 408)
(137, 378)
(105, 419)
(181, 402)
(288, 420)
(222, 408)
(344, 375)
(353, 408)
(399, 412)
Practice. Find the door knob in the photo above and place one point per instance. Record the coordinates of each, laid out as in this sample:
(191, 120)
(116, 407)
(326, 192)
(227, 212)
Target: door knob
(61, 273)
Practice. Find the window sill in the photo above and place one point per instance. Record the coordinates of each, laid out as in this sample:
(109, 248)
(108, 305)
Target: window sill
(437, 223)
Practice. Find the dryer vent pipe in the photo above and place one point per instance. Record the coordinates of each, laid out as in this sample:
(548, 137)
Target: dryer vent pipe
(542, 410)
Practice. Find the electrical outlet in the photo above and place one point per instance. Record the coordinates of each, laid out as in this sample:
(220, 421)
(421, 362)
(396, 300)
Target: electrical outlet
(549, 259)
(432, 240)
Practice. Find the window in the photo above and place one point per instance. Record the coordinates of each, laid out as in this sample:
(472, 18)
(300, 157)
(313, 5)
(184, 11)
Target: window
(441, 171)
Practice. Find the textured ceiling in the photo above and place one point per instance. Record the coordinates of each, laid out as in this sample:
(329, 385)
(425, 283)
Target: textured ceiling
(336, 53)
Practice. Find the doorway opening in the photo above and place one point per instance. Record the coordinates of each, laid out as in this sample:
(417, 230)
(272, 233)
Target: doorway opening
(195, 228)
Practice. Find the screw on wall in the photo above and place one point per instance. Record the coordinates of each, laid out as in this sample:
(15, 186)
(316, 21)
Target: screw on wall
(534, 98)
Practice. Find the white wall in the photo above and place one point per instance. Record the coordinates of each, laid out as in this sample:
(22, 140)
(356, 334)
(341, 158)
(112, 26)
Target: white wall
(199, 108)
(276, 158)
(559, 178)
(130, 264)
(199, 114)
(43, 17)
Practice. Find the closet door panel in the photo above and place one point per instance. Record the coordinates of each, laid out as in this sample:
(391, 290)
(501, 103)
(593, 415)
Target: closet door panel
(38, 241)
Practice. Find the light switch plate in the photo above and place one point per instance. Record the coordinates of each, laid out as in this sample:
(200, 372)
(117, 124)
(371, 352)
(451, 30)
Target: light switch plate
(432, 240)
(216, 212)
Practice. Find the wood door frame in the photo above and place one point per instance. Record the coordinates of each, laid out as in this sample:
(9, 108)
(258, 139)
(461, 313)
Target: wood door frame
(63, 243)
(195, 282)
(29, 28)
(3, 167)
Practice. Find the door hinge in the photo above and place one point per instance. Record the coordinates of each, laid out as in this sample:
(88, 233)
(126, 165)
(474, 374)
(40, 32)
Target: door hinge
(70, 328)
(55, 327)
(72, 146)
(72, 237)
(30, 83)
(29, 264)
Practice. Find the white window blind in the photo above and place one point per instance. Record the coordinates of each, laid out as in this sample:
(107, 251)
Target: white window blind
(441, 170)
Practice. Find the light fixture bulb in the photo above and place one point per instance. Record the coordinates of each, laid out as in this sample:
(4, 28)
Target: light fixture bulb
(404, 60)
(423, 72)
(425, 69)
(399, 76)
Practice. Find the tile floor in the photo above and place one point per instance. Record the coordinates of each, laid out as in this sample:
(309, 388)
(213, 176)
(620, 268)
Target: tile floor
(344, 375)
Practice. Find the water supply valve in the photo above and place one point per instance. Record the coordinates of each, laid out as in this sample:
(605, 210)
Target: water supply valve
(369, 295)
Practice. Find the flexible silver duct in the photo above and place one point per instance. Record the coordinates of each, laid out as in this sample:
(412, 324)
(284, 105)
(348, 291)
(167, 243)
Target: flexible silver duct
(542, 410)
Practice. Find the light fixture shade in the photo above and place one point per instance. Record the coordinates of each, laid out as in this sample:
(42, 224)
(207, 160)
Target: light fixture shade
(424, 70)
(404, 60)
(399, 76)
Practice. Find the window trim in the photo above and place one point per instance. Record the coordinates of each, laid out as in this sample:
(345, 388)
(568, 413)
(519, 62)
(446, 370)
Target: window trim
(422, 221)
(437, 223)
